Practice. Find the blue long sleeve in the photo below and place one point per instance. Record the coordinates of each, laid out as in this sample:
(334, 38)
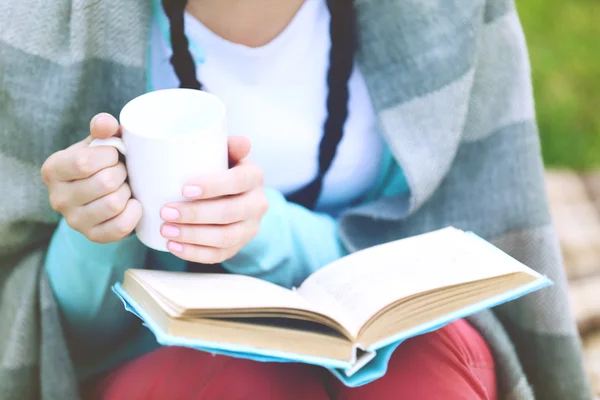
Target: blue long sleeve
(293, 242)
(81, 274)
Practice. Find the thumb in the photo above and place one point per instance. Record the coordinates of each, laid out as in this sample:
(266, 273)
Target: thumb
(239, 148)
(103, 126)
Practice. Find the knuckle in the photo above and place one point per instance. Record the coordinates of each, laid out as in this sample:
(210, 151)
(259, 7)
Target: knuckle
(58, 202)
(83, 164)
(114, 203)
(263, 204)
(45, 171)
(92, 235)
(127, 190)
(96, 236)
(74, 220)
(123, 227)
(108, 181)
(50, 165)
(121, 171)
(112, 156)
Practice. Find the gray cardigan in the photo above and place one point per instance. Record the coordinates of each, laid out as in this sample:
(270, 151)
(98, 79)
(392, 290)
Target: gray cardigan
(450, 82)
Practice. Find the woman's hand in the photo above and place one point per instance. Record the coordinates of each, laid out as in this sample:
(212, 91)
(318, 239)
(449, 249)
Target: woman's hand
(225, 213)
(87, 186)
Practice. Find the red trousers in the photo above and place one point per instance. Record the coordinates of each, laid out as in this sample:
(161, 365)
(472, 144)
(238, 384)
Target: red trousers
(451, 363)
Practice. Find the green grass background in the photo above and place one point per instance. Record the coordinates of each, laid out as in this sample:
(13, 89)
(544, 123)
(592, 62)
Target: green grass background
(564, 44)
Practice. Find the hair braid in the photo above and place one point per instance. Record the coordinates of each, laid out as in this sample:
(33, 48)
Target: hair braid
(342, 30)
(182, 60)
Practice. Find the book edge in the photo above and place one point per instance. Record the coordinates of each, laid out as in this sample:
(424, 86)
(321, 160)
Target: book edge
(438, 323)
(227, 349)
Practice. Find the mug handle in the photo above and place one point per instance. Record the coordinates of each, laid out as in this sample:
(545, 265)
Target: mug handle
(115, 142)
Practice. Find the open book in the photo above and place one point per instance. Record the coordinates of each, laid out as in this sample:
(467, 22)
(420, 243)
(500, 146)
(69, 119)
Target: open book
(340, 315)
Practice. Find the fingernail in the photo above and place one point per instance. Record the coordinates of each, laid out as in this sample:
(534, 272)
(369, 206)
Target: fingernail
(96, 119)
(170, 231)
(192, 191)
(169, 214)
(175, 247)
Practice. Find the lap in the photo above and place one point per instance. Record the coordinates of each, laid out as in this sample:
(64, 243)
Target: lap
(182, 373)
(451, 363)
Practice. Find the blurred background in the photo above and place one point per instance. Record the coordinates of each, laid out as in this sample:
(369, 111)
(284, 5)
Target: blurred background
(564, 41)
(564, 44)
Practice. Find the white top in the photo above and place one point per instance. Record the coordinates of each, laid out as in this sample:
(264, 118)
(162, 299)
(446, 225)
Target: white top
(276, 96)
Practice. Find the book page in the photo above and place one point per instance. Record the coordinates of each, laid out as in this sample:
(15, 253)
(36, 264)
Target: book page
(194, 291)
(364, 283)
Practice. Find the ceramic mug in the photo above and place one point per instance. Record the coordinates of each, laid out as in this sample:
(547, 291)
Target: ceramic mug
(168, 137)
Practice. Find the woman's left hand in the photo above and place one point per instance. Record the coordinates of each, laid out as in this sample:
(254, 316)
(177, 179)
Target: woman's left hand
(225, 213)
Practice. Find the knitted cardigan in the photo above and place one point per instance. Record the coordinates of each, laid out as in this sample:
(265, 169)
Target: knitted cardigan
(450, 82)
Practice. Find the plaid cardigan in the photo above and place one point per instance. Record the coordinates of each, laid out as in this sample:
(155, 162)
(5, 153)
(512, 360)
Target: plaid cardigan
(450, 82)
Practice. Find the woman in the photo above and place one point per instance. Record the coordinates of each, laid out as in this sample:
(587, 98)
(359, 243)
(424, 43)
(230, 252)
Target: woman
(367, 124)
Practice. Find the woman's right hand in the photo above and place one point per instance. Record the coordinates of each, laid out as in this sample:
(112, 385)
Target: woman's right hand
(87, 186)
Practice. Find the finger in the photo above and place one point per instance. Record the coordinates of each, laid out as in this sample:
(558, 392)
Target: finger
(220, 236)
(199, 254)
(118, 227)
(222, 211)
(50, 165)
(209, 212)
(104, 182)
(238, 148)
(103, 126)
(105, 208)
(78, 163)
(242, 178)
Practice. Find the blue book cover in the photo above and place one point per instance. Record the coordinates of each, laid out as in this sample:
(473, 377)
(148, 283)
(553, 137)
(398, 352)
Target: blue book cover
(372, 361)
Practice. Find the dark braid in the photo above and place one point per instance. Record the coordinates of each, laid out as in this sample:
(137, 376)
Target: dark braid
(182, 60)
(341, 59)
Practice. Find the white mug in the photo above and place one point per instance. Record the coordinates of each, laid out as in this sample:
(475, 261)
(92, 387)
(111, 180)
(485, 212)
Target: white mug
(168, 137)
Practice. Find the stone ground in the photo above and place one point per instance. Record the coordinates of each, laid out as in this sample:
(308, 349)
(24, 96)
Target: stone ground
(575, 207)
